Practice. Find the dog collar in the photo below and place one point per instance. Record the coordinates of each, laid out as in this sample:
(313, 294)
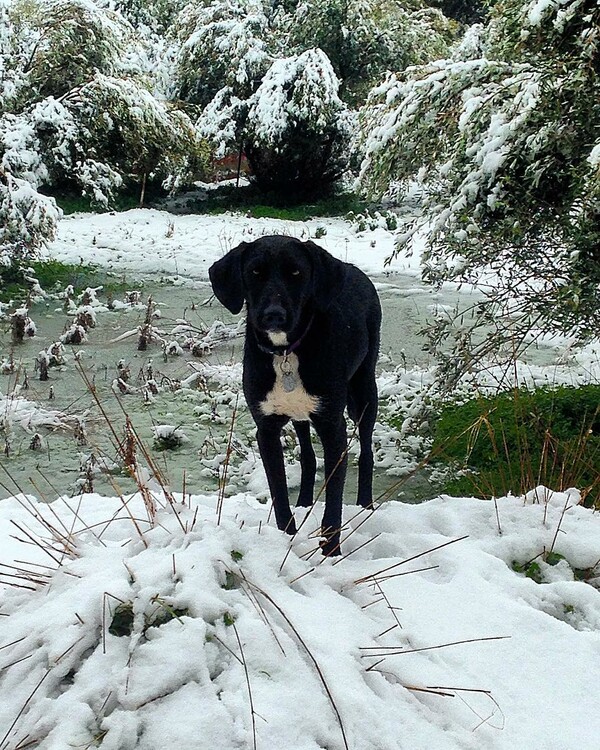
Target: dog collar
(283, 351)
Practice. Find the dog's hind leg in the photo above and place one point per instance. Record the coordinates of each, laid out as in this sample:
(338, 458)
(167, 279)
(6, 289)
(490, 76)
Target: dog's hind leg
(269, 443)
(308, 464)
(333, 437)
(362, 407)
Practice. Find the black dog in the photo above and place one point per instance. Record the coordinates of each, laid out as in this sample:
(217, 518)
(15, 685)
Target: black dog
(311, 346)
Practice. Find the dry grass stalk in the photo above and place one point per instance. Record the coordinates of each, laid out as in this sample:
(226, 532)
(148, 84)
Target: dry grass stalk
(3, 741)
(566, 506)
(251, 701)
(372, 576)
(223, 481)
(456, 692)
(246, 587)
(310, 656)
(360, 546)
(405, 573)
(386, 651)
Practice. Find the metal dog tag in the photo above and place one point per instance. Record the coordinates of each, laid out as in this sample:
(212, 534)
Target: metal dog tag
(288, 379)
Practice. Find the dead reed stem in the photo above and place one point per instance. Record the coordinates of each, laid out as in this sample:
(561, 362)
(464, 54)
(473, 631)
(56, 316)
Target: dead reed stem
(384, 651)
(365, 579)
(221, 495)
(245, 665)
(310, 656)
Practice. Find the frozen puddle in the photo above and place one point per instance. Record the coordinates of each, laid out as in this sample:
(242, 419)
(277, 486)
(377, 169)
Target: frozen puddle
(181, 395)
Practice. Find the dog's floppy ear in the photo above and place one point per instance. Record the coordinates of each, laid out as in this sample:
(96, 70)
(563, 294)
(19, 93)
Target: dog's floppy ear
(226, 279)
(329, 274)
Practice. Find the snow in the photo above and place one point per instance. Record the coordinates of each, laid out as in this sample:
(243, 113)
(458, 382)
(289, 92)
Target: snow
(16, 409)
(150, 241)
(328, 654)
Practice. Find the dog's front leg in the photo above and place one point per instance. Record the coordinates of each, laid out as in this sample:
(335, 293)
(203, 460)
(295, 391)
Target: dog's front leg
(269, 443)
(335, 454)
(308, 464)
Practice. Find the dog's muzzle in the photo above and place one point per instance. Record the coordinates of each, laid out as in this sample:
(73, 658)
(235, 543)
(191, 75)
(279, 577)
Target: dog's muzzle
(273, 318)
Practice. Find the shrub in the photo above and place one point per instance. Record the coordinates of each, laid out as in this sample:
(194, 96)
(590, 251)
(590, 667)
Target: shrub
(518, 440)
(298, 129)
(75, 40)
(365, 38)
(100, 137)
(222, 46)
(504, 144)
(27, 220)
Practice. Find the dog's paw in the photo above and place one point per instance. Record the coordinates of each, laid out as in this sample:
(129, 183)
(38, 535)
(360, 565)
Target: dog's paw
(330, 546)
(290, 527)
(304, 501)
(366, 503)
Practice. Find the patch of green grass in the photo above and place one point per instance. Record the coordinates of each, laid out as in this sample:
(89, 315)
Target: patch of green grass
(518, 440)
(55, 276)
(52, 275)
(73, 203)
(275, 205)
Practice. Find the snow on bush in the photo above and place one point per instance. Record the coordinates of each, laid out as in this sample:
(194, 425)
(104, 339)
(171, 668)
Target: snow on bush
(27, 219)
(57, 142)
(298, 129)
(365, 38)
(503, 146)
(222, 46)
(52, 46)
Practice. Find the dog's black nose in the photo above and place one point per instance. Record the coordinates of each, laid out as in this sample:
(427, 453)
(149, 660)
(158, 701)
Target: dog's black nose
(273, 318)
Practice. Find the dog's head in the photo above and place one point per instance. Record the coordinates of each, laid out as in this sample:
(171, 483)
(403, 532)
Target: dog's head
(279, 278)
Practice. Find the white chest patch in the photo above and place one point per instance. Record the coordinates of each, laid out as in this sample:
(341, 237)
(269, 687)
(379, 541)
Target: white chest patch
(295, 403)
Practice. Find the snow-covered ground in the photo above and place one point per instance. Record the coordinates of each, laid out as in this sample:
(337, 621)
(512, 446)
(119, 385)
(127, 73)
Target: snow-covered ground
(157, 242)
(422, 635)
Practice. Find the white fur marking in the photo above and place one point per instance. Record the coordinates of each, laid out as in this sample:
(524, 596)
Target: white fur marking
(297, 404)
(278, 338)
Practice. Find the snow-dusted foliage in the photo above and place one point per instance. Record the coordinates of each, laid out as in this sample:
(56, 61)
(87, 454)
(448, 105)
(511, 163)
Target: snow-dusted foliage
(298, 128)
(73, 40)
(137, 134)
(151, 16)
(27, 219)
(77, 112)
(364, 38)
(64, 141)
(503, 145)
(295, 128)
(223, 46)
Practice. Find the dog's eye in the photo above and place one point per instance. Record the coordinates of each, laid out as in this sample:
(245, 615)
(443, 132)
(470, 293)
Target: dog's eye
(295, 272)
(256, 272)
